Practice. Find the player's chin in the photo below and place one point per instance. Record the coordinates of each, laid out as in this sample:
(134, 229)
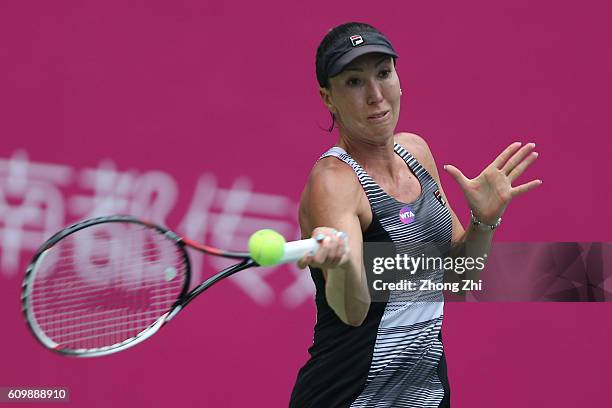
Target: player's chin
(378, 131)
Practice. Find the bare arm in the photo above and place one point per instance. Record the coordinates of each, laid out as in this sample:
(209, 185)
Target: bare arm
(330, 203)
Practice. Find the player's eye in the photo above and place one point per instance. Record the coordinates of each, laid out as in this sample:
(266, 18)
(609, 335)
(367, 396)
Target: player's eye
(385, 73)
(353, 81)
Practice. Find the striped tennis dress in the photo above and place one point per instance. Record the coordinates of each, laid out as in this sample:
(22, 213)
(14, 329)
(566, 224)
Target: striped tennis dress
(395, 358)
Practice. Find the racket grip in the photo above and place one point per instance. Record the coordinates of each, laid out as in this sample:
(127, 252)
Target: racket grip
(296, 249)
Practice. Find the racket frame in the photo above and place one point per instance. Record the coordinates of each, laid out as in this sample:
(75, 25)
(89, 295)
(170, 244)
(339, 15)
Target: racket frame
(184, 298)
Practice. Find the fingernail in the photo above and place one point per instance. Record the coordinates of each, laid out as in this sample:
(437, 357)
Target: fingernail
(444, 167)
(320, 237)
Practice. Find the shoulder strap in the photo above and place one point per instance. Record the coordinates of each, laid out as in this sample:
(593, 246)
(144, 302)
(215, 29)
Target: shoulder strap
(420, 172)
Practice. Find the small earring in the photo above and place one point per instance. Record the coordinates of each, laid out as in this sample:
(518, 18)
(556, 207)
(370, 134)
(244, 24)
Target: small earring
(400, 91)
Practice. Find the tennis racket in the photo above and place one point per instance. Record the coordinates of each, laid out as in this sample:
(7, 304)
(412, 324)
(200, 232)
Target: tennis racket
(106, 284)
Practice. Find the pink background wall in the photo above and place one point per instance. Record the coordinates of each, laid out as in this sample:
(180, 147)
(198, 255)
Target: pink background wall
(224, 93)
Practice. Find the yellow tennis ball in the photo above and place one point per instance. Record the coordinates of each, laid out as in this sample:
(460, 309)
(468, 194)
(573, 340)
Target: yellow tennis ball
(266, 247)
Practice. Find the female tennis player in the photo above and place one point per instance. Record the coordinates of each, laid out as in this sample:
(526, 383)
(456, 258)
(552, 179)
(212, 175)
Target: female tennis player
(378, 186)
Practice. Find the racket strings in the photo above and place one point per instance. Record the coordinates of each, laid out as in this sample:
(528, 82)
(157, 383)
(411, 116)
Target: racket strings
(105, 284)
(71, 329)
(62, 296)
(110, 329)
(77, 316)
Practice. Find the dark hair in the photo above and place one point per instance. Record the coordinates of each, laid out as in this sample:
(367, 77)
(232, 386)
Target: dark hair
(337, 33)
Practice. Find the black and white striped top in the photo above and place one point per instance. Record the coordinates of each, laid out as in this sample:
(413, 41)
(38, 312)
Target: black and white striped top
(395, 358)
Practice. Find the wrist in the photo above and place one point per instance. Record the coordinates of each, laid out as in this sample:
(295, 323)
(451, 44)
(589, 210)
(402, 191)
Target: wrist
(482, 226)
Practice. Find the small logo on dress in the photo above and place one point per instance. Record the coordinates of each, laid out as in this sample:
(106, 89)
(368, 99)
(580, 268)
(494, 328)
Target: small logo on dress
(406, 215)
(356, 40)
(439, 197)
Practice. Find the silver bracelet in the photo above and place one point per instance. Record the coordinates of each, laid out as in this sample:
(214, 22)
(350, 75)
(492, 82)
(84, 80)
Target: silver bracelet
(481, 225)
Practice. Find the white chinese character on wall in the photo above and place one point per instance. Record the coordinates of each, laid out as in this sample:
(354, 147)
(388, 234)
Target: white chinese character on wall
(32, 206)
(150, 195)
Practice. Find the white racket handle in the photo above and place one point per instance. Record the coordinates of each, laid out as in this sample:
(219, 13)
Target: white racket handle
(296, 249)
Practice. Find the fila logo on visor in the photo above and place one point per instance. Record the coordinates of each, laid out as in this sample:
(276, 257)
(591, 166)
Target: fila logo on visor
(356, 40)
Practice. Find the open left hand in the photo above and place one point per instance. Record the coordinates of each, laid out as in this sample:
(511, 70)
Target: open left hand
(491, 191)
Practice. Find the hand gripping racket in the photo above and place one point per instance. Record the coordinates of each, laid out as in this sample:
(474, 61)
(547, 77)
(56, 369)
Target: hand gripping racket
(106, 284)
